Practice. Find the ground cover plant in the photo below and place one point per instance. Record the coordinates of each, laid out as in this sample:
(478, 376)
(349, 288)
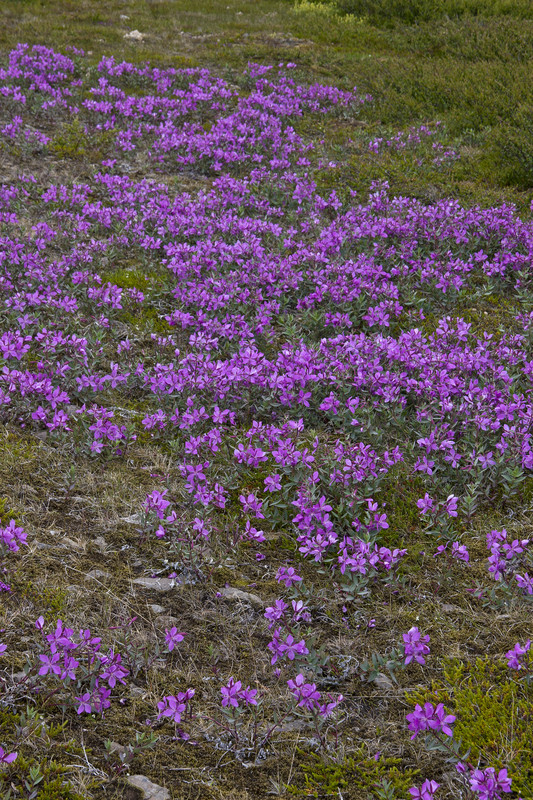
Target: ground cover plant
(265, 417)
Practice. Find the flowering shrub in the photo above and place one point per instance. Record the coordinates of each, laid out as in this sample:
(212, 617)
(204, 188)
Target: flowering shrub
(290, 368)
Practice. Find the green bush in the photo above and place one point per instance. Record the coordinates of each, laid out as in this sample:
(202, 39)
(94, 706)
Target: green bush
(410, 12)
(353, 777)
(510, 149)
(494, 712)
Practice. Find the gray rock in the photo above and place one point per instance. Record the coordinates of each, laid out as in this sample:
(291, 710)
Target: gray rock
(70, 544)
(449, 608)
(167, 622)
(155, 609)
(383, 681)
(134, 36)
(98, 575)
(157, 584)
(144, 789)
(231, 593)
(134, 519)
(120, 750)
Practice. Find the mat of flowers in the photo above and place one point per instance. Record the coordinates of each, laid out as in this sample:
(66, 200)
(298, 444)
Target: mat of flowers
(299, 358)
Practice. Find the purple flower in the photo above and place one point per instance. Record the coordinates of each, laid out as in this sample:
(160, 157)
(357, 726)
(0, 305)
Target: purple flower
(231, 693)
(173, 706)
(429, 717)
(513, 655)
(275, 612)
(50, 664)
(488, 785)
(113, 670)
(288, 576)
(248, 695)
(451, 505)
(173, 637)
(425, 504)
(525, 582)
(425, 792)
(272, 483)
(415, 646)
(305, 693)
(156, 501)
(291, 649)
(84, 703)
(460, 552)
(7, 758)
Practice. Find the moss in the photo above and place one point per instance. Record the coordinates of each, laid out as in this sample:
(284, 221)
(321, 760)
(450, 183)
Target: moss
(399, 491)
(146, 319)
(73, 142)
(51, 600)
(5, 514)
(29, 777)
(351, 778)
(494, 712)
(127, 279)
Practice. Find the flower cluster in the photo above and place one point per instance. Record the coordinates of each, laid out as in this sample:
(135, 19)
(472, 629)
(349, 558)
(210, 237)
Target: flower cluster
(309, 698)
(430, 718)
(415, 646)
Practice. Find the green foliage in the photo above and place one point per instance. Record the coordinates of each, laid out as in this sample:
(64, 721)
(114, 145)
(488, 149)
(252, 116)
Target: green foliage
(511, 149)
(494, 711)
(5, 514)
(72, 141)
(353, 777)
(51, 600)
(410, 12)
(30, 778)
(399, 491)
(146, 319)
(128, 279)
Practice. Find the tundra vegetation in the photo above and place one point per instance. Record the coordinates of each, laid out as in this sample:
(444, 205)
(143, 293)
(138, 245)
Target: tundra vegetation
(266, 355)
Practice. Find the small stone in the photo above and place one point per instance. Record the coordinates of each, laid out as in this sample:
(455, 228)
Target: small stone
(134, 519)
(115, 747)
(231, 593)
(144, 789)
(166, 621)
(100, 543)
(382, 681)
(135, 36)
(137, 691)
(157, 584)
(155, 609)
(292, 725)
(98, 575)
(78, 547)
(449, 608)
